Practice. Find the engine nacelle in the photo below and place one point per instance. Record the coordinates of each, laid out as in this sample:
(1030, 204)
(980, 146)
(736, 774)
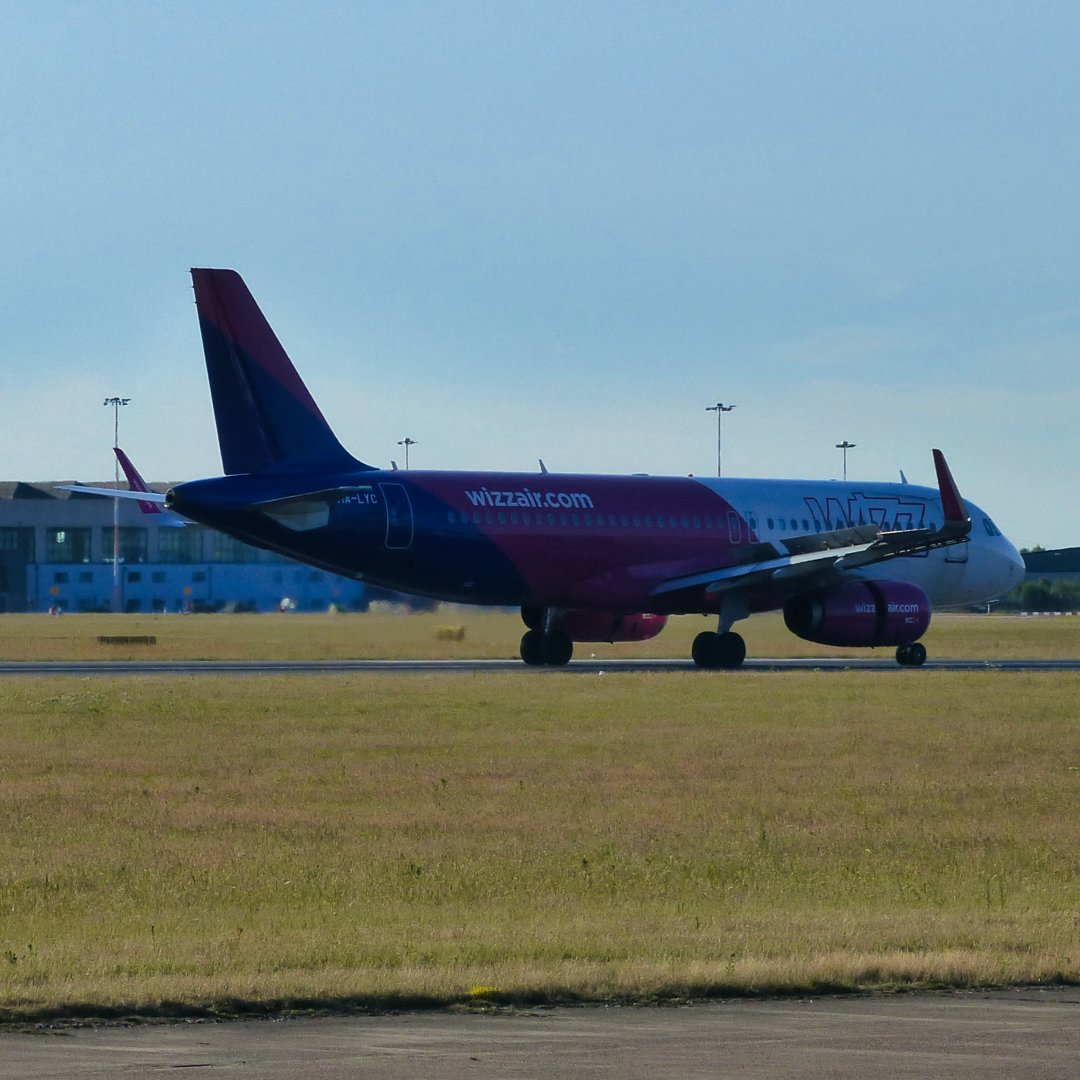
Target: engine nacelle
(860, 613)
(605, 626)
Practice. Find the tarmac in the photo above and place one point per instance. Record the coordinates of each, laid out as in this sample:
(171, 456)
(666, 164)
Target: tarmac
(1007, 1034)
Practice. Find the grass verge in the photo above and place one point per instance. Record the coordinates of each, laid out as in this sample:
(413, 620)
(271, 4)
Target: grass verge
(390, 634)
(259, 844)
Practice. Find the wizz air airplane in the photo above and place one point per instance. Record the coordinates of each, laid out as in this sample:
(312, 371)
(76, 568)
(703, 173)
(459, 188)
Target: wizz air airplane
(585, 557)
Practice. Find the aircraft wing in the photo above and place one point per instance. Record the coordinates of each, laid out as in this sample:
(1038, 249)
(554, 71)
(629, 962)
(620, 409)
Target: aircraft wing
(839, 550)
(116, 493)
(157, 498)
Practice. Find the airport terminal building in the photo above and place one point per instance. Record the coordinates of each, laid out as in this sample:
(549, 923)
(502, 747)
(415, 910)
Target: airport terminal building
(56, 552)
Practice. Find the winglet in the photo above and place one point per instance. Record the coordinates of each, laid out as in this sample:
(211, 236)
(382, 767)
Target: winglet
(951, 502)
(136, 482)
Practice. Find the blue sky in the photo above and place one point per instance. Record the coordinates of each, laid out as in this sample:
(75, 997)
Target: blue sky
(559, 230)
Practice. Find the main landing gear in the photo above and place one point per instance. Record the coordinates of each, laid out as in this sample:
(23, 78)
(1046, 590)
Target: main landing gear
(553, 649)
(722, 649)
(712, 650)
(912, 655)
(542, 645)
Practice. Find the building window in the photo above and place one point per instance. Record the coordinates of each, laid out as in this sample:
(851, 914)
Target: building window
(180, 545)
(67, 545)
(133, 543)
(157, 577)
(17, 541)
(60, 577)
(85, 576)
(229, 549)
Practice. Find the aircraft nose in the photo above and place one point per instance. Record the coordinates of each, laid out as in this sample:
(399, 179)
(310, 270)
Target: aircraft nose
(1013, 568)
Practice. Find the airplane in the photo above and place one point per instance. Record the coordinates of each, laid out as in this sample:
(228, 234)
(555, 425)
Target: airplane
(585, 557)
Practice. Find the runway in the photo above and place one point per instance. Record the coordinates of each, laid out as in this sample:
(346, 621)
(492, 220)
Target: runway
(1008, 1034)
(86, 668)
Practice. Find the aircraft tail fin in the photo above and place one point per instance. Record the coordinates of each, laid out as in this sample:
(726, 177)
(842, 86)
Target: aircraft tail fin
(266, 417)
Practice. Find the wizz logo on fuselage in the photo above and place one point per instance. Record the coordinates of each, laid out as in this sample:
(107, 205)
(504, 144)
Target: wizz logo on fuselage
(887, 511)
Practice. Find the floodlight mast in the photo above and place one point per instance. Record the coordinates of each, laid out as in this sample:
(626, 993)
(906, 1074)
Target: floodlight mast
(117, 403)
(406, 442)
(845, 446)
(719, 408)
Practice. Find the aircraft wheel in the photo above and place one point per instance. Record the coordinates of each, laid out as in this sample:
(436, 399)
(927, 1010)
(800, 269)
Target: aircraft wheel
(533, 617)
(913, 655)
(732, 650)
(532, 648)
(703, 650)
(711, 650)
(558, 649)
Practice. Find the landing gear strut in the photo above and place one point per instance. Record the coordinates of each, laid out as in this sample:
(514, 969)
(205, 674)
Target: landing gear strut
(712, 650)
(912, 655)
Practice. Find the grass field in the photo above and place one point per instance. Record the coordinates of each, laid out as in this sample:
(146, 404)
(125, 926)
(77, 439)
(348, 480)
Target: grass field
(488, 634)
(238, 843)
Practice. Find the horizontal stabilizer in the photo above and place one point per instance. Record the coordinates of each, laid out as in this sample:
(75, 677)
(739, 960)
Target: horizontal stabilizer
(311, 510)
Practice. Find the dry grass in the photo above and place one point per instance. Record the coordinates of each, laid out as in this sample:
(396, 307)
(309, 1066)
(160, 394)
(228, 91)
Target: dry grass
(377, 839)
(487, 634)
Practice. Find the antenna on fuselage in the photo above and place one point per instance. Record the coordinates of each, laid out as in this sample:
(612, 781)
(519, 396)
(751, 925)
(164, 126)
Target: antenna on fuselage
(903, 478)
(543, 467)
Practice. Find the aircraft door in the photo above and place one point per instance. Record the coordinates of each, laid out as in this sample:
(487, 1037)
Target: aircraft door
(399, 517)
(957, 553)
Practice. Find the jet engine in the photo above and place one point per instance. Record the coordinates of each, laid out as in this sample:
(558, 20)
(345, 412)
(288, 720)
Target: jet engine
(860, 613)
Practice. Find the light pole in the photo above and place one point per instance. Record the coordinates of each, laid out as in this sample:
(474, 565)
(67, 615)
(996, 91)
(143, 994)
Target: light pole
(719, 408)
(845, 446)
(406, 442)
(116, 403)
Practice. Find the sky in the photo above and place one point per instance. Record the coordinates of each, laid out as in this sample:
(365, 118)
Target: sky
(517, 230)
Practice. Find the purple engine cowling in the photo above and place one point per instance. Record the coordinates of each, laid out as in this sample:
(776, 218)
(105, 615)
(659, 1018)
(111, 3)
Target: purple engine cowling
(860, 613)
(604, 626)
